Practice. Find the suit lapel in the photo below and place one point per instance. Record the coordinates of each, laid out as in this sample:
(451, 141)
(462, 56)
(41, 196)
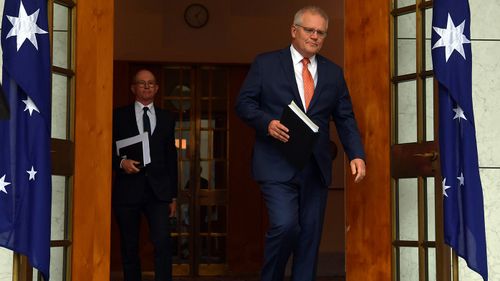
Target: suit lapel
(158, 122)
(287, 63)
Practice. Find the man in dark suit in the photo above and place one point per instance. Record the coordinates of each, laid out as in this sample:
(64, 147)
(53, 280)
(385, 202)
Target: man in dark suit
(295, 198)
(150, 189)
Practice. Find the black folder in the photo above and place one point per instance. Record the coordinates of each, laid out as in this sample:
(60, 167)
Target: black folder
(300, 145)
(133, 152)
(135, 148)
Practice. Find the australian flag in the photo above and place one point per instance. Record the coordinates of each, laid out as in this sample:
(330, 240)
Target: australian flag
(463, 196)
(25, 168)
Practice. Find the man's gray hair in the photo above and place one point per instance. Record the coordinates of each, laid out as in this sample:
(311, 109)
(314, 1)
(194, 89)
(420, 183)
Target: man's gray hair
(311, 9)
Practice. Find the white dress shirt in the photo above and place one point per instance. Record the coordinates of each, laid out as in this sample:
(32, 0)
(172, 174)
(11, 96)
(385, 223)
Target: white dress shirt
(139, 112)
(297, 67)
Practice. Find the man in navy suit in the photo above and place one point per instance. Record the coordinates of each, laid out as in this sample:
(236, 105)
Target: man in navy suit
(296, 199)
(149, 189)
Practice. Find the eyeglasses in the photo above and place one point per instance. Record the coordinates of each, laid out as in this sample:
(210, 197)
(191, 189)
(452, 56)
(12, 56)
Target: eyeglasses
(310, 31)
(145, 84)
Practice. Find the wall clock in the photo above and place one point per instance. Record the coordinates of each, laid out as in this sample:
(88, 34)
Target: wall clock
(196, 15)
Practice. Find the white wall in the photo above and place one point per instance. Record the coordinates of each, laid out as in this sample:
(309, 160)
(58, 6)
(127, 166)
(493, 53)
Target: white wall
(485, 35)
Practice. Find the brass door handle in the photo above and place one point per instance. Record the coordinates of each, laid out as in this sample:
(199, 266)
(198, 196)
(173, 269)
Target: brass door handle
(432, 155)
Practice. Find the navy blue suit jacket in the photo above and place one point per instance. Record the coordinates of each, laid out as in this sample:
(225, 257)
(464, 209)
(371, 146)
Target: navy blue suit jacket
(269, 87)
(161, 173)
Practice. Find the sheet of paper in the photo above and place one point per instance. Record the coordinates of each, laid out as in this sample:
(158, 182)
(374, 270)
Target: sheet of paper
(303, 116)
(141, 138)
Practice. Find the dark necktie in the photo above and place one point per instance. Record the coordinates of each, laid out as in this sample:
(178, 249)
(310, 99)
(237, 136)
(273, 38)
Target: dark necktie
(145, 120)
(308, 82)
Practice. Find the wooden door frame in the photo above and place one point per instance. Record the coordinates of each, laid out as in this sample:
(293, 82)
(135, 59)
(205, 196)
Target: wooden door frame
(368, 228)
(246, 221)
(367, 71)
(93, 123)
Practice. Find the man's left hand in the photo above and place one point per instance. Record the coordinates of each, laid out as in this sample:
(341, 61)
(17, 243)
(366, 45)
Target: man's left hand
(358, 168)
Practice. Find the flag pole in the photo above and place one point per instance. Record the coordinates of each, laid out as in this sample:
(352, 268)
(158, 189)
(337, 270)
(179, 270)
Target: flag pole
(455, 263)
(15, 267)
(21, 268)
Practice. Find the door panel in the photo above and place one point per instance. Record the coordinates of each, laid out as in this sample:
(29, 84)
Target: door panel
(198, 97)
(419, 251)
(201, 98)
(415, 159)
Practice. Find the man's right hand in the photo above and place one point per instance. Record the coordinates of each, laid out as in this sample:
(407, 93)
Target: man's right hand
(128, 165)
(278, 131)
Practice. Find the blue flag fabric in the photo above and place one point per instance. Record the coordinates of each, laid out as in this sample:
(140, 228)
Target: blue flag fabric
(464, 228)
(25, 168)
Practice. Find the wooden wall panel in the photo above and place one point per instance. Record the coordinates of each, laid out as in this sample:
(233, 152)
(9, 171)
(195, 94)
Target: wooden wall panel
(368, 217)
(93, 132)
(247, 219)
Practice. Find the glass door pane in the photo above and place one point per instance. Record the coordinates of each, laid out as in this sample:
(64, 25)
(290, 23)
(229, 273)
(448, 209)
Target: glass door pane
(198, 97)
(408, 267)
(213, 167)
(407, 190)
(417, 218)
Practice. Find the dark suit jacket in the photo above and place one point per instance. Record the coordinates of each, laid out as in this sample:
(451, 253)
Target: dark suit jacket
(161, 173)
(269, 87)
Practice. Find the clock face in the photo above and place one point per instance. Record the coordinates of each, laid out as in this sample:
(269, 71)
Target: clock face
(196, 15)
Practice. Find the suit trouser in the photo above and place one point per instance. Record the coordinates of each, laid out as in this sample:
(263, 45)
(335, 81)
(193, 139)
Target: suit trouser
(129, 221)
(296, 212)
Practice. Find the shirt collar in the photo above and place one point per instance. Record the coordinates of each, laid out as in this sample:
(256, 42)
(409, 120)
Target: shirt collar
(139, 107)
(297, 57)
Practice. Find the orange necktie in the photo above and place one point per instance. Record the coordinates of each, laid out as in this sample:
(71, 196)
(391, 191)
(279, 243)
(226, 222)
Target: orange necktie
(308, 82)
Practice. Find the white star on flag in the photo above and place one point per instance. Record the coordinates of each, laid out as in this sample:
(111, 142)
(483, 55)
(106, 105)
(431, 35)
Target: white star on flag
(461, 179)
(32, 173)
(452, 38)
(24, 27)
(3, 184)
(459, 113)
(445, 187)
(30, 105)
